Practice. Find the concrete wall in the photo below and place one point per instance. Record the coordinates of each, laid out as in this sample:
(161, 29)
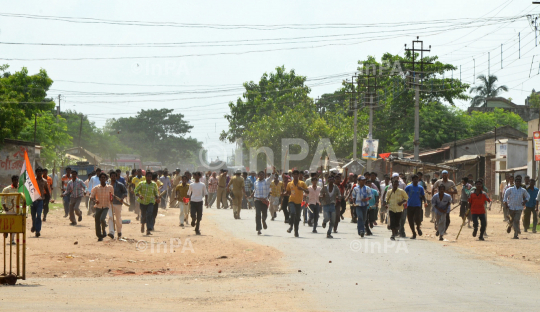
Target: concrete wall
(473, 148)
(12, 159)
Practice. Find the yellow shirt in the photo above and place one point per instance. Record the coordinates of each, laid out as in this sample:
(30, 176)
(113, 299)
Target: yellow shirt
(275, 190)
(393, 198)
(297, 195)
(135, 181)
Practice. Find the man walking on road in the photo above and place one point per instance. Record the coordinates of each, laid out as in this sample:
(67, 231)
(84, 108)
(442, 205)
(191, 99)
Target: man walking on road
(75, 191)
(180, 193)
(238, 193)
(531, 207)
(65, 199)
(197, 191)
(361, 194)
(147, 194)
(120, 191)
(261, 191)
(222, 190)
(295, 191)
(328, 200)
(440, 204)
(416, 196)
(515, 198)
(394, 200)
(101, 195)
(276, 187)
(477, 201)
(93, 182)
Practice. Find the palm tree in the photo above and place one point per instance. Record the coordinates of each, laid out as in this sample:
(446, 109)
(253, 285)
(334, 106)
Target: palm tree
(487, 89)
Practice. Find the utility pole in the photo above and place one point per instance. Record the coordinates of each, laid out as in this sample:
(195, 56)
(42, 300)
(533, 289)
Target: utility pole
(58, 109)
(80, 130)
(35, 127)
(417, 90)
(371, 92)
(354, 107)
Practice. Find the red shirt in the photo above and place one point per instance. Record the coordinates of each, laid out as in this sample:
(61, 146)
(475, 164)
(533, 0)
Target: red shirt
(477, 202)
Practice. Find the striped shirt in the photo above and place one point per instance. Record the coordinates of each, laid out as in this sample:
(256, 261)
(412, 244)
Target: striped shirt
(76, 190)
(262, 188)
(102, 194)
(515, 197)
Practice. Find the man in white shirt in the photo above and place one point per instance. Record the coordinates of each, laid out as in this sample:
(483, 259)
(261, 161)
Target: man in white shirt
(197, 192)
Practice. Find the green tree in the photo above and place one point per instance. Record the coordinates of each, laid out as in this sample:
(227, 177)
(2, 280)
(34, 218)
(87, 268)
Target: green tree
(157, 135)
(479, 122)
(21, 96)
(534, 100)
(51, 134)
(487, 89)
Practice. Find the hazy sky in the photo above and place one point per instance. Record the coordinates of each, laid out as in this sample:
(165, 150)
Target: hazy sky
(202, 78)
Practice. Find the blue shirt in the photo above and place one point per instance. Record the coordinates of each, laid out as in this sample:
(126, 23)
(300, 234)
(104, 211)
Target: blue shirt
(372, 201)
(360, 193)
(122, 180)
(414, 192)
(532, 201)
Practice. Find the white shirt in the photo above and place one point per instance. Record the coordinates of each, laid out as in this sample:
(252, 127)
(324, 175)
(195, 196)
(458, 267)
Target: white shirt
(197, 190)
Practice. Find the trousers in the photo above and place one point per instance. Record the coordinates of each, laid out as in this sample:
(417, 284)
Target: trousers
(183, 209)
(222, 197)
(295, 212)
(147, 214)
(483, 223)
(211, 199)
(237, 204)
(261, 211)
(35, 210)
(515, 216)
(361, 214)
(414, 216)
(395, 218)
(329, 215)
(100, 223)
(74, 209)
(314, 216)
(196, 214)
(527, 218)
(117, 211)
(285, 208)
(440, 222)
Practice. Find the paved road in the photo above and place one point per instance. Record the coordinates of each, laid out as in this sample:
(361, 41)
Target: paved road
(411, 275)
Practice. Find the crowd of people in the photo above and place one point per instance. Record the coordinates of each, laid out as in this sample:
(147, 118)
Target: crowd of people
(301, 196)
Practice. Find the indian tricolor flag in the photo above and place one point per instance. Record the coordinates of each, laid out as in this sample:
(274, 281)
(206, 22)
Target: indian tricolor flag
(27, 182)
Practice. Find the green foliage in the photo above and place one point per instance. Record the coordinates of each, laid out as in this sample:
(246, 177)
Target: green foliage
(157, 135)
(534, 100)
(18, 93)
(479, 123)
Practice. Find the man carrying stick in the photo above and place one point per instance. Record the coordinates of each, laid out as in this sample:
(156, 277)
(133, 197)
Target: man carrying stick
(115, 215)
